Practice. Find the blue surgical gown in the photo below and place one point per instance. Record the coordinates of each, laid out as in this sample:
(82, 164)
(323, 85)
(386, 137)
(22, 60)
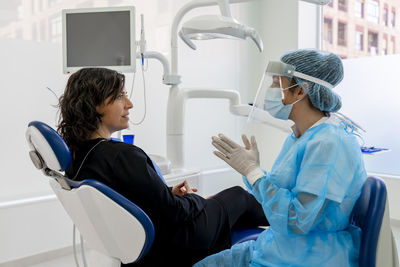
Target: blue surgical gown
(307, 198)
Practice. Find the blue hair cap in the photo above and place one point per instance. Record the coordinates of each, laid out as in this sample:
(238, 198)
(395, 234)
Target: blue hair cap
(322, 65)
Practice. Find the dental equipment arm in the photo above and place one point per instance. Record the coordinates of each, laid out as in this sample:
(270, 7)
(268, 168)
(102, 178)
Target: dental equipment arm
(224, 7)
(178, 18)
(176, 116)
(167, 79)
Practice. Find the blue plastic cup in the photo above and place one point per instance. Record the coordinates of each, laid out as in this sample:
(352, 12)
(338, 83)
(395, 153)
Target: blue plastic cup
(128, 138)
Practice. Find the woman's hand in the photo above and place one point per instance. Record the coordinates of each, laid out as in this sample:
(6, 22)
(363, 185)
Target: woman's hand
(182, 189)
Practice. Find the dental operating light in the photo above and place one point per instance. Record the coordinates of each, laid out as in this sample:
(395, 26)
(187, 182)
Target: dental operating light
(218, 26)
(223, 26)
(213, 26)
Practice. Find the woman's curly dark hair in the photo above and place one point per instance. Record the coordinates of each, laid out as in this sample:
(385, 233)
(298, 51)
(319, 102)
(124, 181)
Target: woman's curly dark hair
(86, 89)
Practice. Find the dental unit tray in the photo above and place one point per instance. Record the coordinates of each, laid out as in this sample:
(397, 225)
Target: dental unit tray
(373, 150)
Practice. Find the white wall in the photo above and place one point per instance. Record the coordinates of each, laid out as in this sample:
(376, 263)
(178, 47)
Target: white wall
(37, 226)
(27, 68)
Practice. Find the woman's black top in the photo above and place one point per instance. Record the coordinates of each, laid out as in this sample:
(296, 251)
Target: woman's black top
(183, 230)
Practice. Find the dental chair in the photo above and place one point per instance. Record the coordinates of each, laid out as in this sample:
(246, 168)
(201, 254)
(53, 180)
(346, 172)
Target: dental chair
(109, 223)
(371, 214)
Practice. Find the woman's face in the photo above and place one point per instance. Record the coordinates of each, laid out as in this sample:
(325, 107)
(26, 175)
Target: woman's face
(115, 114)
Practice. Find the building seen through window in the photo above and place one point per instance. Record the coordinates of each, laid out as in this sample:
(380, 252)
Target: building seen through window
(342, 5)
(328, 30)
(385, 44)
(40, 20)
(385, 15)
(342, 33)
(360, 28)
(373, 11)
(359, 40)
(393, 18)
(373, 43)
(359, 8)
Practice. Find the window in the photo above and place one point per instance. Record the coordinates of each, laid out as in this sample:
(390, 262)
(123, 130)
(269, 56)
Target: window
(369, 108)
(373, 11)
(342, 5)
(328, 32)
(330, 3)
(87, 4)
(393, 18)
(359, 9)
(385, 15)
(54, 2)
(40, 5)
(55, 29)
(393, 41)
(342, 34)
(18, 34)
(373, 43)
(34, 31)
(33, 7)
(359, 41)
(43, 30)
(384, 50)
(361, 34)
(368, 36)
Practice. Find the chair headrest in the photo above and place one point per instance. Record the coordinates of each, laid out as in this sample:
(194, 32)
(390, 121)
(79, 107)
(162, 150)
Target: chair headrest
(48, 148)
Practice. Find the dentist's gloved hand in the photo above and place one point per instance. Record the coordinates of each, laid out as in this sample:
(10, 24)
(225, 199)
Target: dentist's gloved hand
(245, 160)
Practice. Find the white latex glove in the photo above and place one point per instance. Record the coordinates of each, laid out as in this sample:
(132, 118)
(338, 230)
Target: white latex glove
(245, 160)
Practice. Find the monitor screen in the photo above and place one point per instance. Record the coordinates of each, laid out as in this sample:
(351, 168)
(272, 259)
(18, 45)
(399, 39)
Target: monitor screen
(99, 37)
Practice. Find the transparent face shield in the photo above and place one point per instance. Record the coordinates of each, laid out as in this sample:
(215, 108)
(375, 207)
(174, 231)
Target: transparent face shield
(277, 78)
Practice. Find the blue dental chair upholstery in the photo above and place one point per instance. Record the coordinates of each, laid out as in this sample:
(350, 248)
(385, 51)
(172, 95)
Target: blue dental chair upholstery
(371, 214)
(109, 222)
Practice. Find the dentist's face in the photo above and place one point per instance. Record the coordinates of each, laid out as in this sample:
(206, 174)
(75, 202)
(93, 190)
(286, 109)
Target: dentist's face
(115, 114)
(283, 83)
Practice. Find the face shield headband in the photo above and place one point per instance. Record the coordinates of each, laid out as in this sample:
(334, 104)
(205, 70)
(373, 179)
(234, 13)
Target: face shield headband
(282, 69)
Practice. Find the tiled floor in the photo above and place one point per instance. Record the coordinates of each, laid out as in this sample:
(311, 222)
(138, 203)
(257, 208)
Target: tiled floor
(68, 260)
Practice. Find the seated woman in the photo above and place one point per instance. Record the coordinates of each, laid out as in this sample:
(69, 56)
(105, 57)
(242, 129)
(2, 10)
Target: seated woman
(187, 226)
(310, 192)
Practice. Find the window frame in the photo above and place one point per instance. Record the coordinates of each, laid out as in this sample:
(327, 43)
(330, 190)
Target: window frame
(345, 38)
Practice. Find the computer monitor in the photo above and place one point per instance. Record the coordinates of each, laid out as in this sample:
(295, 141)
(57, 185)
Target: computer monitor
(99, 37)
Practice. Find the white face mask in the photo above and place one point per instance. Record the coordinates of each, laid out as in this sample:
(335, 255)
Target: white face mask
(274, 105)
